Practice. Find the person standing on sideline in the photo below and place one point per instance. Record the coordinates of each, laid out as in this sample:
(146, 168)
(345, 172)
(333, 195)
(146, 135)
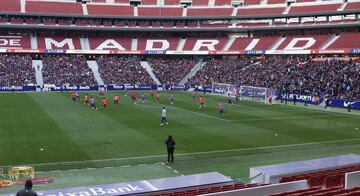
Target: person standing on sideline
(294, 99)
(27, 190)
(170, 145)
(163, 116)
(171, 98)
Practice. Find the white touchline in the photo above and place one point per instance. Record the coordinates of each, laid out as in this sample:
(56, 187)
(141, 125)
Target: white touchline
(189, 154)
(291, 117)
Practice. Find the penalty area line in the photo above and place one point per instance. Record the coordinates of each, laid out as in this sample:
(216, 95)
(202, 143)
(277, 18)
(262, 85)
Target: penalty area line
(189, 154)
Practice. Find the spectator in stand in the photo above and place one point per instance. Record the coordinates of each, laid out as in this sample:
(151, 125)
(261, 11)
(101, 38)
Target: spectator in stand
(67, 70)
(16, 70)
(123, 70)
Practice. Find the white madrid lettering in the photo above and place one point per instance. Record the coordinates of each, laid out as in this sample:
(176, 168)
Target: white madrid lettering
(110, 44)
(309, 42)
(150, 44)
(49, 43)
(207, 43)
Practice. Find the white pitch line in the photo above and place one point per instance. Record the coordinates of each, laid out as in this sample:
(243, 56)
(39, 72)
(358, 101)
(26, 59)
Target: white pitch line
(189, 154)
(291, 117)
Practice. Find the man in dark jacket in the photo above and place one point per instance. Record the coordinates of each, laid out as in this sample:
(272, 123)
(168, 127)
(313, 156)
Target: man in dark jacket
(170, 145)
(27, 191)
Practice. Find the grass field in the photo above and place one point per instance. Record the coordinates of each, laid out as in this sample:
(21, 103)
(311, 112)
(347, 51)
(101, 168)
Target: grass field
(126, 142)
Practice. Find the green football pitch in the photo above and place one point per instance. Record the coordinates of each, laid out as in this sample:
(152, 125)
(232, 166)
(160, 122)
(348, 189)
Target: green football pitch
(126, 142)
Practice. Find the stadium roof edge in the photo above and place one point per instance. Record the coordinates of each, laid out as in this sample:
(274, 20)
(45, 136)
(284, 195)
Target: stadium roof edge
(202, 29)
(345, 12)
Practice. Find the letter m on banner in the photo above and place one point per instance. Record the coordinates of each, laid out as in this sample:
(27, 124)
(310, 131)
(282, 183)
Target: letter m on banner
(59, 43)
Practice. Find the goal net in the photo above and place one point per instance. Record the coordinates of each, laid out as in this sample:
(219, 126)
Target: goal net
(254, 93)
(223, 89)
(245, 92)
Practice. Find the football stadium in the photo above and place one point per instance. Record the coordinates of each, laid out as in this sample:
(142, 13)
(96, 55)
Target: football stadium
(180, 97)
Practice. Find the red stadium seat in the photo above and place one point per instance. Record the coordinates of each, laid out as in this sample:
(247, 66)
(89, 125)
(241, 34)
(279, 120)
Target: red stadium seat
(53, 7)
(314, 8)
(114, 10)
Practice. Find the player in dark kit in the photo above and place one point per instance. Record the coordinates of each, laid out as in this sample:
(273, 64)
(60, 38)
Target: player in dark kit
(170, 145)
(327, 103)
(349, 106)
(294, 99)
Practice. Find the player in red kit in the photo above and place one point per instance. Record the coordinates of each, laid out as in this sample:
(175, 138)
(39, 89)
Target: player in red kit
(152, 92)
(202, 102)
(86, 99)
(133, 97)
(116, 100)
(104, 102)
(158, 97)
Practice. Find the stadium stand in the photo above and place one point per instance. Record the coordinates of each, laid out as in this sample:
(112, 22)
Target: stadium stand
(160, 11)
(221, 70)
(214, 11)
(122, 1)
(346, 40)
(57, 42)
(352, 6)
(262, 11)
(276, 2)
(110, 43)
(170, 70)
(67, 70)
(222, 2)
(113, 10)
(171, 2)
(53, 7)
(16, 70)
(313, 8)
(200, 2)
(192, 43)
(122, 70)
(332, 77)
(173, 43)
(10, 6)
(327, 178)
(149, 2)
(252, 2)
(322, 192)
(319, 41)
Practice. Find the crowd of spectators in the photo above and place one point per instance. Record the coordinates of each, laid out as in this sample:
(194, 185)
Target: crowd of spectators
(298, 74)
(16, 70)
(170, 70)
(295, 74)
(123, 70)
(64, 70)
(221, 71)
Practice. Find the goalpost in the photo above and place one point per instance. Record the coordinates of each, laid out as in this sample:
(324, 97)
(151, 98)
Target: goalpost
(251, 93)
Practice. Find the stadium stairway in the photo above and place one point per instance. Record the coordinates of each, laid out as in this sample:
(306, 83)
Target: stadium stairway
(192, 72)
(95, 69)
(147, 67)
(38, 65)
